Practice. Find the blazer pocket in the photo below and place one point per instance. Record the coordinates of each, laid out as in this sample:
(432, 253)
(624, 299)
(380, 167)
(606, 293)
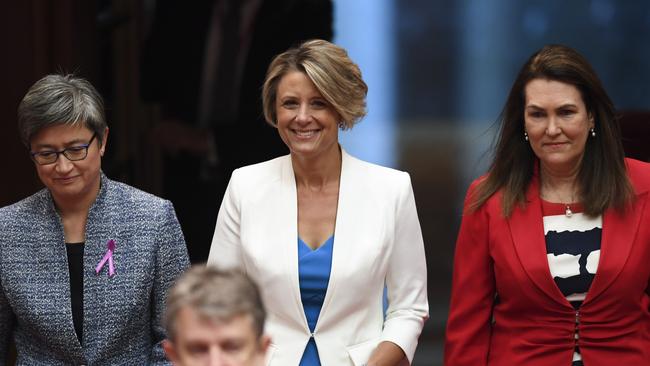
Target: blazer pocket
(269, 353)
(360, 352)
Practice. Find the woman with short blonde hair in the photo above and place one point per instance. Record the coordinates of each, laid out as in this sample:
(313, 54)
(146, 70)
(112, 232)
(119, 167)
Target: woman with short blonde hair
(322, 232)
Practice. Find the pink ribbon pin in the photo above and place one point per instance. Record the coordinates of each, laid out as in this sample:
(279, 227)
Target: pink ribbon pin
(108, 257)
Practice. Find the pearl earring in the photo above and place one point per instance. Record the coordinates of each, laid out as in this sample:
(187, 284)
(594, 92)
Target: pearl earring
(525, 135)
(593, 132)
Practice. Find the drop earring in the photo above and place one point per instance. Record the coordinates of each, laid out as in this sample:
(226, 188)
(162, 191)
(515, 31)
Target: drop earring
(525, 135)
(593, 132)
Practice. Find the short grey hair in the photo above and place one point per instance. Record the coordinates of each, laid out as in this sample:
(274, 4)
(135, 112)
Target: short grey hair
(60, 99)
(328, 66)
(216, 295)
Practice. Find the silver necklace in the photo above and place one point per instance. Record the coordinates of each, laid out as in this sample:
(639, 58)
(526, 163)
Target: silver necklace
(567, 206)
(568, 212)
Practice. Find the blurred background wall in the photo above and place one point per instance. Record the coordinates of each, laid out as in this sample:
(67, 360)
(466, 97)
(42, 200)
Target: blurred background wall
(438, 72)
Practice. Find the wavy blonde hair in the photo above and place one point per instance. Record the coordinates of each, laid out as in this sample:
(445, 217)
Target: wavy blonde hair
(335, 75)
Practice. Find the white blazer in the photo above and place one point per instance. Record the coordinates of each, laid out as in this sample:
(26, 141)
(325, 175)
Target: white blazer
(377, 241)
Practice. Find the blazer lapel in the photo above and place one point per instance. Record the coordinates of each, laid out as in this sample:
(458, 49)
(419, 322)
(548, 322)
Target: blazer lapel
(288, 233)
(344, 216)
(527, 230)
(60, 276)
(619, 230)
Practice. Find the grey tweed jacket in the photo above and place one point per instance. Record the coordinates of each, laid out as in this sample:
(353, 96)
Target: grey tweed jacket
(121, 313)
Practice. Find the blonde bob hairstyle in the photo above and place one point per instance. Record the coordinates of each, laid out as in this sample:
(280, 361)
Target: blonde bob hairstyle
(337, 78)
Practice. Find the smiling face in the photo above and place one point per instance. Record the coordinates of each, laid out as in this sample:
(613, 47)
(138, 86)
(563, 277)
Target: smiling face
(307, 123)
(69, 181)
(200, 342)
(557, 123)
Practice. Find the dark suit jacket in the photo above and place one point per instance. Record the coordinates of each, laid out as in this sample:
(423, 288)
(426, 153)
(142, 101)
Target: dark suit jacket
(532, 323)
(121, 313)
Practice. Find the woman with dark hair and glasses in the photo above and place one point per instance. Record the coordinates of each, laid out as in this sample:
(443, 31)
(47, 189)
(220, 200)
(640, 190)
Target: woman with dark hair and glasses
(85, 262)
(552, 257)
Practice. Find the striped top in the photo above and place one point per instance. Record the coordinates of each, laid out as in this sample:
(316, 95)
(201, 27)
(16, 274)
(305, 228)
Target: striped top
(573, 252)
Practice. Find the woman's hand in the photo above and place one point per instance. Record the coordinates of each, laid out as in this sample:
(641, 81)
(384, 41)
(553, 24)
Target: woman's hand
(388, 354)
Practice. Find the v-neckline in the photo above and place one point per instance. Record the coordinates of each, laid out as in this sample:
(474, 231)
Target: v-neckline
(326, 242)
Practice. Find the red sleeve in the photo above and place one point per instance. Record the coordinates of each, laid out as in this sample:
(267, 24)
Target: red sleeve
(473, 292)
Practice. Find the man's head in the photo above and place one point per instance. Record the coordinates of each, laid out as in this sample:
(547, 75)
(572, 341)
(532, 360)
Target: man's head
(214, 318)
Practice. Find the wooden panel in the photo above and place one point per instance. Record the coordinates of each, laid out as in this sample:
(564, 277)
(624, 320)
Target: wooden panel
(22, 46)
(38, 37)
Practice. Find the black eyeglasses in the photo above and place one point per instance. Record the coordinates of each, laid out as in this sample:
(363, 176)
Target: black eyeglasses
(72, 153)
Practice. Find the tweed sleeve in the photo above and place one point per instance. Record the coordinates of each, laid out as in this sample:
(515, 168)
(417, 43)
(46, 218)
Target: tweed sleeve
(172, 260)
(6, 325)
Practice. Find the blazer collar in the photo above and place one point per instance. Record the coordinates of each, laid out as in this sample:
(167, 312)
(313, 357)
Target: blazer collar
(288, 195)
(527, 230)
(344, 216)
(96, 216)
(526, 227)
(96, 205)
(619, 231)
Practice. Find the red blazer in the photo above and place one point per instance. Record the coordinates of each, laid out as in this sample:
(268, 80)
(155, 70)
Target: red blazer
(530, 322)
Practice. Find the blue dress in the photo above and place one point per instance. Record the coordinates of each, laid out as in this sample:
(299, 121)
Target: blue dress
(314, 268)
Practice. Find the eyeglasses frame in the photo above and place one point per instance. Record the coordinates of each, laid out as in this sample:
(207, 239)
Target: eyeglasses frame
(63, 152)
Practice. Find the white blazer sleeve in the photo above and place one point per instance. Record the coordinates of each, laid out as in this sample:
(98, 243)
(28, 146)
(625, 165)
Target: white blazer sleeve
(406, 278)
(225, 251)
